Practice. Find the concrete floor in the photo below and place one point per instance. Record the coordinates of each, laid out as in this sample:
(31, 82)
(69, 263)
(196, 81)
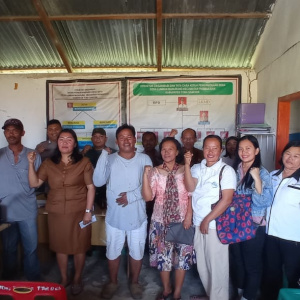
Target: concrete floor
(96, 275)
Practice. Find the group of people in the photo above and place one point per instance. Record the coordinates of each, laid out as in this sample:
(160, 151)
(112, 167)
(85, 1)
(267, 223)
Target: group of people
(183, 182)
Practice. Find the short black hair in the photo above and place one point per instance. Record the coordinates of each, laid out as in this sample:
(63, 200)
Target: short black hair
(125, 126)
(53, 121)
(195, 133)
(213, 136)
(149, 133)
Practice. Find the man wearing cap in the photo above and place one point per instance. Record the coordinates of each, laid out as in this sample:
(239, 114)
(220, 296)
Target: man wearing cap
(18, 204)
(99, 140)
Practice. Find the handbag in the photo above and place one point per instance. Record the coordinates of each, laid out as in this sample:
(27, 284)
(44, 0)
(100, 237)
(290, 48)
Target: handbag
(177, 234)
(236, 223)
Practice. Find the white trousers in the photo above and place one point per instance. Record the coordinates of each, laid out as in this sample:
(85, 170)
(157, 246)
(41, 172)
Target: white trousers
(212, 264)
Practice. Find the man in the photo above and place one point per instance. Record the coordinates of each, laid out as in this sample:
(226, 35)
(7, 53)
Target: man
(126, 215)
(149, 142)
(46, 149)
(188, 139)
(18, 204)
(99, 140)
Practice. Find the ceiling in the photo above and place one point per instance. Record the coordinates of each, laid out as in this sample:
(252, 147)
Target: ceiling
(119, 35)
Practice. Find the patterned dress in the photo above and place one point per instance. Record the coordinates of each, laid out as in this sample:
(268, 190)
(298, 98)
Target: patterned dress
(165, 255)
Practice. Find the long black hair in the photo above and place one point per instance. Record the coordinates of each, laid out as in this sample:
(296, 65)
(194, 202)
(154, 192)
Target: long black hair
(75, 156)
(248, 180)
(179, 156)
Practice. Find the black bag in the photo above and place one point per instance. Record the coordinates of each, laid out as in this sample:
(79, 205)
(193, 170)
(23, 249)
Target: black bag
(177, 234)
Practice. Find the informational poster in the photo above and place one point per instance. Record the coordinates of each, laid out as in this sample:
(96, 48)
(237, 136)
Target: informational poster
(85, 105)
(208, 105)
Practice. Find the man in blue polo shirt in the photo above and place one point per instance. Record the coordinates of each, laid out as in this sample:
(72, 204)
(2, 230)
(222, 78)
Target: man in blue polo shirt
(18, 204)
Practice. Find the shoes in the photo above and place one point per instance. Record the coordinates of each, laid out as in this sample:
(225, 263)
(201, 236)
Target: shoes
(76, 288)
(136, 290)
(198, 297)
(108, 290)
(161, 296)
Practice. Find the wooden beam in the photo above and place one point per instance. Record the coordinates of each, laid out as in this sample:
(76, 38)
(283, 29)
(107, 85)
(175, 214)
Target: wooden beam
(217, 16)
(52, 34)
(159, 34)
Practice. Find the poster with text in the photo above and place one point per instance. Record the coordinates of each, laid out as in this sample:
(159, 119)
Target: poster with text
(204, 104)
(85, 105)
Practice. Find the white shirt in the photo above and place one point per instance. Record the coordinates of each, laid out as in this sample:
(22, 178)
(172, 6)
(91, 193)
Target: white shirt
(284, 215)
(207, 190)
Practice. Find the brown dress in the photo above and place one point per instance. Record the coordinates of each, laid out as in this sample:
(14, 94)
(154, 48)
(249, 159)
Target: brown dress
(66, 204)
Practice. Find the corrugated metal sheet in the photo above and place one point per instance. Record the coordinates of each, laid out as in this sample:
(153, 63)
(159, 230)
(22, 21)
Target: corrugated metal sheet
(189, 41)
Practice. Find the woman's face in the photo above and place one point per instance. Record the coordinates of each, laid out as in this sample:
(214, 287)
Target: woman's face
(291, 159)
(212, 151)
(231, 147)
(247, 151)
(66, 143)
(169, 151)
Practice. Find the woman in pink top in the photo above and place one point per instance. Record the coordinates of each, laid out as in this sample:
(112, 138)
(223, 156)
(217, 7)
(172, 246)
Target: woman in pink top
(165, 183)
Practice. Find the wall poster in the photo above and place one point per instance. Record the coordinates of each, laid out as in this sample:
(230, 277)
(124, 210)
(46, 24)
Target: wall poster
(83, 105)
(207, 105)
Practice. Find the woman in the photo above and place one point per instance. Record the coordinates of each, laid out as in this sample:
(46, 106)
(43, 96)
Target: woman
(205, 182)
(230, 150)
(246, 262)
(172, 204)
(70, 200)
(282, 249)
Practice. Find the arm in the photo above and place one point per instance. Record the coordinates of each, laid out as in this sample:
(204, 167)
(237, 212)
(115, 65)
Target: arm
(218, 210)
(102, 170)
(89, 203)
(189, 181)
(264, 198)
(33, 179)
(146, 188)
(187, 222)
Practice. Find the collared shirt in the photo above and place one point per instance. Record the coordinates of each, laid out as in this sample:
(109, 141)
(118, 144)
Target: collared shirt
(122, 175)
(207, 190)
(18, 201)
(284, 215)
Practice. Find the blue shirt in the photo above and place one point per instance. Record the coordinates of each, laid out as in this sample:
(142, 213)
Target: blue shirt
(18, 201)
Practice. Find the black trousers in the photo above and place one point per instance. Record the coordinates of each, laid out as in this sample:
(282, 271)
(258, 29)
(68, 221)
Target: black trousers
(246, 264)
(280, 255)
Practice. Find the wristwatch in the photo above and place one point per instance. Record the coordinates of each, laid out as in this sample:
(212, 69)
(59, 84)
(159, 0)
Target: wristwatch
(88, 210)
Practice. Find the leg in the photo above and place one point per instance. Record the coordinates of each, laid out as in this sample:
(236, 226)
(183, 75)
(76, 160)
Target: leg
(10, 240)
(179, 279)
(135, 269)
(29, 237)
(272, 278)
(79, 261)
(62, 261)
(165, 279)
(113, 266)
(252, 252)
(236, 265)
(291, 261)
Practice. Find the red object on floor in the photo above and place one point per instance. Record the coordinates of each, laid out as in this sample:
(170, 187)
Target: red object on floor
(27, 290)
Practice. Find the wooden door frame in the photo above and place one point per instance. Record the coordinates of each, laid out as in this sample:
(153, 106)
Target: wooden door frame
(283, 123)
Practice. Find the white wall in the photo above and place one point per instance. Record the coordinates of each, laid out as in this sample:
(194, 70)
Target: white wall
(277, 57)
(28, 101)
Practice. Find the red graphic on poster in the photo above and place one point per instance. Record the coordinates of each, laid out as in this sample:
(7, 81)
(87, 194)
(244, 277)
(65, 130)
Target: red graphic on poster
(70, 105)
(198, 135)
(210, 132)
(224, 135)
(203, 115)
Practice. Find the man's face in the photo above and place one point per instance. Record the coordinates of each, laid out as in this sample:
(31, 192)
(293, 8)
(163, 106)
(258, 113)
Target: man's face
(126, 141)
(53, 131)
(13, 135)
(188, 139)
(149, 142)
(99, 141)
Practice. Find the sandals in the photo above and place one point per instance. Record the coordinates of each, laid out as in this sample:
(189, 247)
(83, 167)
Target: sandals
(161, 296)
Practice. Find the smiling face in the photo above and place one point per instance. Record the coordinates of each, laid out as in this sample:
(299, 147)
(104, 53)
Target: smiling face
(66, 143)
(13, 135)
(291, 159)
(212, 151)
(188, 139)
(99, 141)
(53, 131)
(169, 151)
(247, 151)
(126, 142)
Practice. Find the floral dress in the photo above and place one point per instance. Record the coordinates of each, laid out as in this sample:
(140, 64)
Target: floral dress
(163, 254)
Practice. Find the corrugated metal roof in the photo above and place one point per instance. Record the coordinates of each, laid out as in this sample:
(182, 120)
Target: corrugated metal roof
(126, 33)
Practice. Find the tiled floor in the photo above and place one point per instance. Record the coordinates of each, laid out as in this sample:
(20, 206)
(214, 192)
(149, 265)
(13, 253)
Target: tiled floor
(96, 275)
